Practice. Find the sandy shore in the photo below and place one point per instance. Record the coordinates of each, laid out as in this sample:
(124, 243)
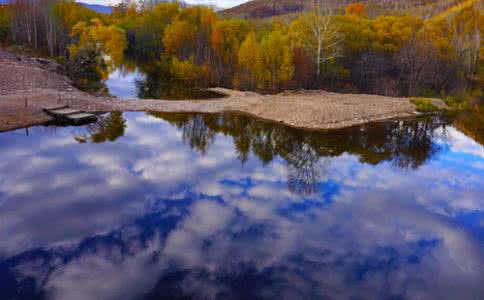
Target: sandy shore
(26, 86)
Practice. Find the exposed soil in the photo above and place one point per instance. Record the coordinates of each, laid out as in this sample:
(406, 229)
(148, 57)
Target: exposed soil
(27, 85)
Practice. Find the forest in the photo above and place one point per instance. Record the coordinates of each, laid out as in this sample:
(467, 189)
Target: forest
(350, 49)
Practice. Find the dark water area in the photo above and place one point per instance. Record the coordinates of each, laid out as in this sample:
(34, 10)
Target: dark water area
(198, 206)
(150, 81)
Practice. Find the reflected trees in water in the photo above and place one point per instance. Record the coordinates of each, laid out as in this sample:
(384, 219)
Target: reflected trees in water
(157, 82)
(472, 123)
(107, 128)
(404, 144)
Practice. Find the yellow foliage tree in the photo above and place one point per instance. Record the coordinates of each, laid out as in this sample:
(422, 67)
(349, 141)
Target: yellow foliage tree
(227, 37)
(276, 61)
(178, 38)
(149, 27)
(188, 71)
(249, 57)
(94, 43)
(190, 34)
(391, 33)
(320, 35)
(356, 33)
(103, 39)
(462, 27)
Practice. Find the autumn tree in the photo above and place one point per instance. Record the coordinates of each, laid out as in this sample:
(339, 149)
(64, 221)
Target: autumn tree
(189, 72)
(93, 42)
(276, 62)
(63, 16)
(227, 37)
(320, 36)
(190, 34)
(357, 9)
(178, 39)
(4, 23)
(465, 29)
(249, 59)
(391, 33)
(149, 29)
(419, 65)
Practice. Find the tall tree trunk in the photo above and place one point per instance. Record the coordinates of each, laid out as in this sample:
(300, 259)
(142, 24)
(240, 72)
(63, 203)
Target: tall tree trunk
(35, 30)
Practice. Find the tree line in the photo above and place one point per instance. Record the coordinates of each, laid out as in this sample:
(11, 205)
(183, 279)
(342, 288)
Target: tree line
(350, 50)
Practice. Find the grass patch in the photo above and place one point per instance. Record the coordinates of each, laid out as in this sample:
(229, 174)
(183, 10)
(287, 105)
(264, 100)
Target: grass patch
(424, 105)
(456, 102)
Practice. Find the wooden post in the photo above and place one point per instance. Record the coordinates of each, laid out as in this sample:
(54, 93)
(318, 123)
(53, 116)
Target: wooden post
(26, 102)
(59, 100)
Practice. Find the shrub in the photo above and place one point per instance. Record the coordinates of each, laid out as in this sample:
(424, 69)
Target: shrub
(456, 102)
(429, 93)
(424, 105)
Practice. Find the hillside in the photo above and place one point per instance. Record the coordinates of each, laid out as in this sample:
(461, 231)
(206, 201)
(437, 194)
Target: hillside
(259, 9)
(103, 9)
(98, 8)
(267, 8)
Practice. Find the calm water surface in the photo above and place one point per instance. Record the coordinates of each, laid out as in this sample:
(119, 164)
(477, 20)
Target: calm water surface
(121, 82)
(178, 206)
(133, 81)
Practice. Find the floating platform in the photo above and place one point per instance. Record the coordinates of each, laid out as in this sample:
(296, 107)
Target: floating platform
(68, 116)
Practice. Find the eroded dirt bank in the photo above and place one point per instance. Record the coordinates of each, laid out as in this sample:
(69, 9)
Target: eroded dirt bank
(27, 85)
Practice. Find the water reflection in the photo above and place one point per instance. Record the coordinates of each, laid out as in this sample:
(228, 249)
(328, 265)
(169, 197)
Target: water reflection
(406, 144)
(108, 127)
(121, 82)
(151, 81)
(472, 123)
(169, 211)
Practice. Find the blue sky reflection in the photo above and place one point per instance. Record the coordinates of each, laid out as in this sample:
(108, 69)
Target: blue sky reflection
(147, 215)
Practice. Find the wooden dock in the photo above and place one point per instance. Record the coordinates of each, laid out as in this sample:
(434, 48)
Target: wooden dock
(65, 115)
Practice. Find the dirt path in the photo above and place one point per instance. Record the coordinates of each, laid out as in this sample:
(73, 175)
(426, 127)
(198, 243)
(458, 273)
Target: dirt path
(21, 80)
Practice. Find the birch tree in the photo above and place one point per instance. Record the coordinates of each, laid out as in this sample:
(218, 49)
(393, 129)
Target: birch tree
(318, 32)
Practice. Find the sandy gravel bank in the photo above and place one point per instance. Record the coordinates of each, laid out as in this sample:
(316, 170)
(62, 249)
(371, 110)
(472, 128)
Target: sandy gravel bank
(41, 86)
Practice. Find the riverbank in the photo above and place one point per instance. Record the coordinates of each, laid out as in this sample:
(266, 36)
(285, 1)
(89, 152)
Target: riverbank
(27, 85)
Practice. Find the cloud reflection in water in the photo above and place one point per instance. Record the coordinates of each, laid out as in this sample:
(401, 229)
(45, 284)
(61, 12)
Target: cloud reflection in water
(211, 206)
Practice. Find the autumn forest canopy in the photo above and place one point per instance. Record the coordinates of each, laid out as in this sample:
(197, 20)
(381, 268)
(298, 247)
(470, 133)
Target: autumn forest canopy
(348, 48)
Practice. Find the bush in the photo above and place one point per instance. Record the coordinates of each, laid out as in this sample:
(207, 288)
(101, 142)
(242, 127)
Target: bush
(429, 93)
(61, 60)
(456, 103)
(424, 105)
(461, 99)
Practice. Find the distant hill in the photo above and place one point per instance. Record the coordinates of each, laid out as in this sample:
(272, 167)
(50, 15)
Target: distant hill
(267, 8)
(98, 8)
(258, 9)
